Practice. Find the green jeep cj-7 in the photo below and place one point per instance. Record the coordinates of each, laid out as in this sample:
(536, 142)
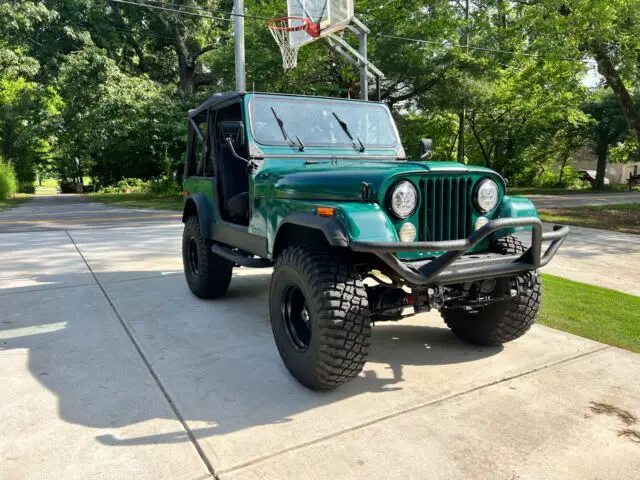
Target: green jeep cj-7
(321, 189)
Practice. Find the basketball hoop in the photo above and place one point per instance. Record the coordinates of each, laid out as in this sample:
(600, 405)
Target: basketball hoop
(282, 27)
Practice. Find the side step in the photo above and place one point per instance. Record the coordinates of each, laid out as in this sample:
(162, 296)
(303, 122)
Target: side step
(240, 257)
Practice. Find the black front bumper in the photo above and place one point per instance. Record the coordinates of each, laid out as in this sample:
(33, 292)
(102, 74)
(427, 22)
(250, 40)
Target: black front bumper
(453, 267)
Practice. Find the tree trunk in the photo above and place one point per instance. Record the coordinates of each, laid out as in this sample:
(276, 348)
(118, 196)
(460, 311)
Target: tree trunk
(463, 113)
(565, 159)
(187, 85)
(608, 71)
(461, 147)
(486, 156)
(601, 169)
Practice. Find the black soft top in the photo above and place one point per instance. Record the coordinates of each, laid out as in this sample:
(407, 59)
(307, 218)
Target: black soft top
(212, 101)
(222, 97)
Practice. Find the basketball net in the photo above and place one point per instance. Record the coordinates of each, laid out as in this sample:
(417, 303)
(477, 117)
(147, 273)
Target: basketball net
(281, 28)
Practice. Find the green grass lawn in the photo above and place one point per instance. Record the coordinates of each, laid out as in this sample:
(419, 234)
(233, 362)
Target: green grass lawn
(14, 201)
(141, 200)
(597, 313)
(620, 218)
(50, 183)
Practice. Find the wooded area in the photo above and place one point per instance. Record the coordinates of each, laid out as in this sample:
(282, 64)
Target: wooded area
(95, 88)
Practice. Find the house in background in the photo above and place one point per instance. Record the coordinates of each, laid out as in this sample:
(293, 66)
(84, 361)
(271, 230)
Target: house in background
(617, 173)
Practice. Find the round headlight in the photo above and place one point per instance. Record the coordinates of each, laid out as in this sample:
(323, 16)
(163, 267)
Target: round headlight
(404, 199)
(487, 195)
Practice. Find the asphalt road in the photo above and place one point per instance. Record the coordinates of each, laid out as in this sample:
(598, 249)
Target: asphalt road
(583, 199)
(73, 212)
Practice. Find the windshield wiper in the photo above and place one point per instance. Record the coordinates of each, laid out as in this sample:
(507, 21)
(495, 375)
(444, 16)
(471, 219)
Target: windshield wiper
(284, 131)
(352, 137)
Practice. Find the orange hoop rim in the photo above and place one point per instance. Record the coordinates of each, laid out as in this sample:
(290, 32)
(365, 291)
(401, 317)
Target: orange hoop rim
(273, 24)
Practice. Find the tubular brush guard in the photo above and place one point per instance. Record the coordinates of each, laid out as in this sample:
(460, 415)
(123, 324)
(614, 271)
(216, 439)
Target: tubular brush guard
(452, 267)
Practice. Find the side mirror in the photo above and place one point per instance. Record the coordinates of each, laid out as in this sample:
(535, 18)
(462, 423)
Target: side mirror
(426, 148)
(231, 130)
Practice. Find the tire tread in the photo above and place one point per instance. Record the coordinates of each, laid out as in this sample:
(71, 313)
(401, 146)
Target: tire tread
(504, 321)
(343, 325)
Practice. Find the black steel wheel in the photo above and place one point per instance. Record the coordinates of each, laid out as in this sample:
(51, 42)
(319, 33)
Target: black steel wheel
(207, 274)
(319, 316)
(192, 249)
(296, 317)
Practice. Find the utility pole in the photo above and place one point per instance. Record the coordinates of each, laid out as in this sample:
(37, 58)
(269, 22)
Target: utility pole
(241, 82)
(463, 112)
(364, 71)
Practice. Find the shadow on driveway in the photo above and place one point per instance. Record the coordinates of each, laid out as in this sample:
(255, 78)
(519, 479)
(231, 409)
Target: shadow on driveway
(216, 359)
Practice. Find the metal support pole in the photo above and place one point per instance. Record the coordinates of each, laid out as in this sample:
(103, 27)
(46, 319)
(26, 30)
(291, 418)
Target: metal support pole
(378, 88)
(364, 74)
(241, 82)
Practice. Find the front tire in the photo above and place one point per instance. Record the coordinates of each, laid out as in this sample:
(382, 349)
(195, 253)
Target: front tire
(207, 274)
(503, 321)
(319, 316)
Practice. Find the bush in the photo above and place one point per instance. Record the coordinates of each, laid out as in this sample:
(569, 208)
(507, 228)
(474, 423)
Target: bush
(159, 186)
(165, 186)
(128, 185)
(27, 187)
(8, 182)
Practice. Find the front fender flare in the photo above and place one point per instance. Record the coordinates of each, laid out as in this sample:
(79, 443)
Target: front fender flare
(333, 231)
(201, 205)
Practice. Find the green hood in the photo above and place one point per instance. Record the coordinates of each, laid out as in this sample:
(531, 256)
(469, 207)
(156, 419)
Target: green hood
(343, 181)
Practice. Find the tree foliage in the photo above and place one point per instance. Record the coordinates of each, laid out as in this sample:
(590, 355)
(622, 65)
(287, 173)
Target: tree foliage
(100, 89)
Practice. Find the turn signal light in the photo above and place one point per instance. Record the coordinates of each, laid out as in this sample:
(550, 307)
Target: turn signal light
(326, 211)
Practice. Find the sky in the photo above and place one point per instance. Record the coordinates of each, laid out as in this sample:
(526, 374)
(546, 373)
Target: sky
(592, 78)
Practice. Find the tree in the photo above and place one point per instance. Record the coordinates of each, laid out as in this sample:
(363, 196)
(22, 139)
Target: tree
(609, 128)
(25, 103)
(607, 31)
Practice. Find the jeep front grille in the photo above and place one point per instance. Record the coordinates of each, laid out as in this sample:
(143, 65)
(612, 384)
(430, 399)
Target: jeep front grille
(445, 213)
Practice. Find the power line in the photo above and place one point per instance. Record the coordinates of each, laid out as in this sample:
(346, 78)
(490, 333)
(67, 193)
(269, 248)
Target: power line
(470, 47)
(192, 14)
(211, 10)
(159, 5)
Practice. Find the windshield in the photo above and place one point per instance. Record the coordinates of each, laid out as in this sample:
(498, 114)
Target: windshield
(320, 122)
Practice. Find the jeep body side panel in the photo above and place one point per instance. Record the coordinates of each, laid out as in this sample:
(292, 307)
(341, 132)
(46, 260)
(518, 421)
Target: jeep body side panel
(515, 207)
(283, 186)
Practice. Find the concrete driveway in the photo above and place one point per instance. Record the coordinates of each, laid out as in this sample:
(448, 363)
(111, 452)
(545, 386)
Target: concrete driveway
(598, 257)
(110, 368)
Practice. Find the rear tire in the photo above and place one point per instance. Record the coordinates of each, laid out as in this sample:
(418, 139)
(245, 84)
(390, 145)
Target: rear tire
(207, 274)
(504, 321)
(319, 316)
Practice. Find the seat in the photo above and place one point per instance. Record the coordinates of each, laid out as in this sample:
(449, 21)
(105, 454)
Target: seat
(234, 184)
(238, 206)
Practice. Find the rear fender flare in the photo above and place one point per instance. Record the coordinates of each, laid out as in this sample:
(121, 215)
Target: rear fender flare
(198, 203)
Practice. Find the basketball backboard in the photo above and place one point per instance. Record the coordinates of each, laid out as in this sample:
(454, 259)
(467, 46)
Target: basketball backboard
(332, 15)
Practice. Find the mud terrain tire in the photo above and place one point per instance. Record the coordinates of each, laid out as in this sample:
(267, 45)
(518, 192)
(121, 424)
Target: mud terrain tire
(504, 321)
(207, 274)
(319, 316)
